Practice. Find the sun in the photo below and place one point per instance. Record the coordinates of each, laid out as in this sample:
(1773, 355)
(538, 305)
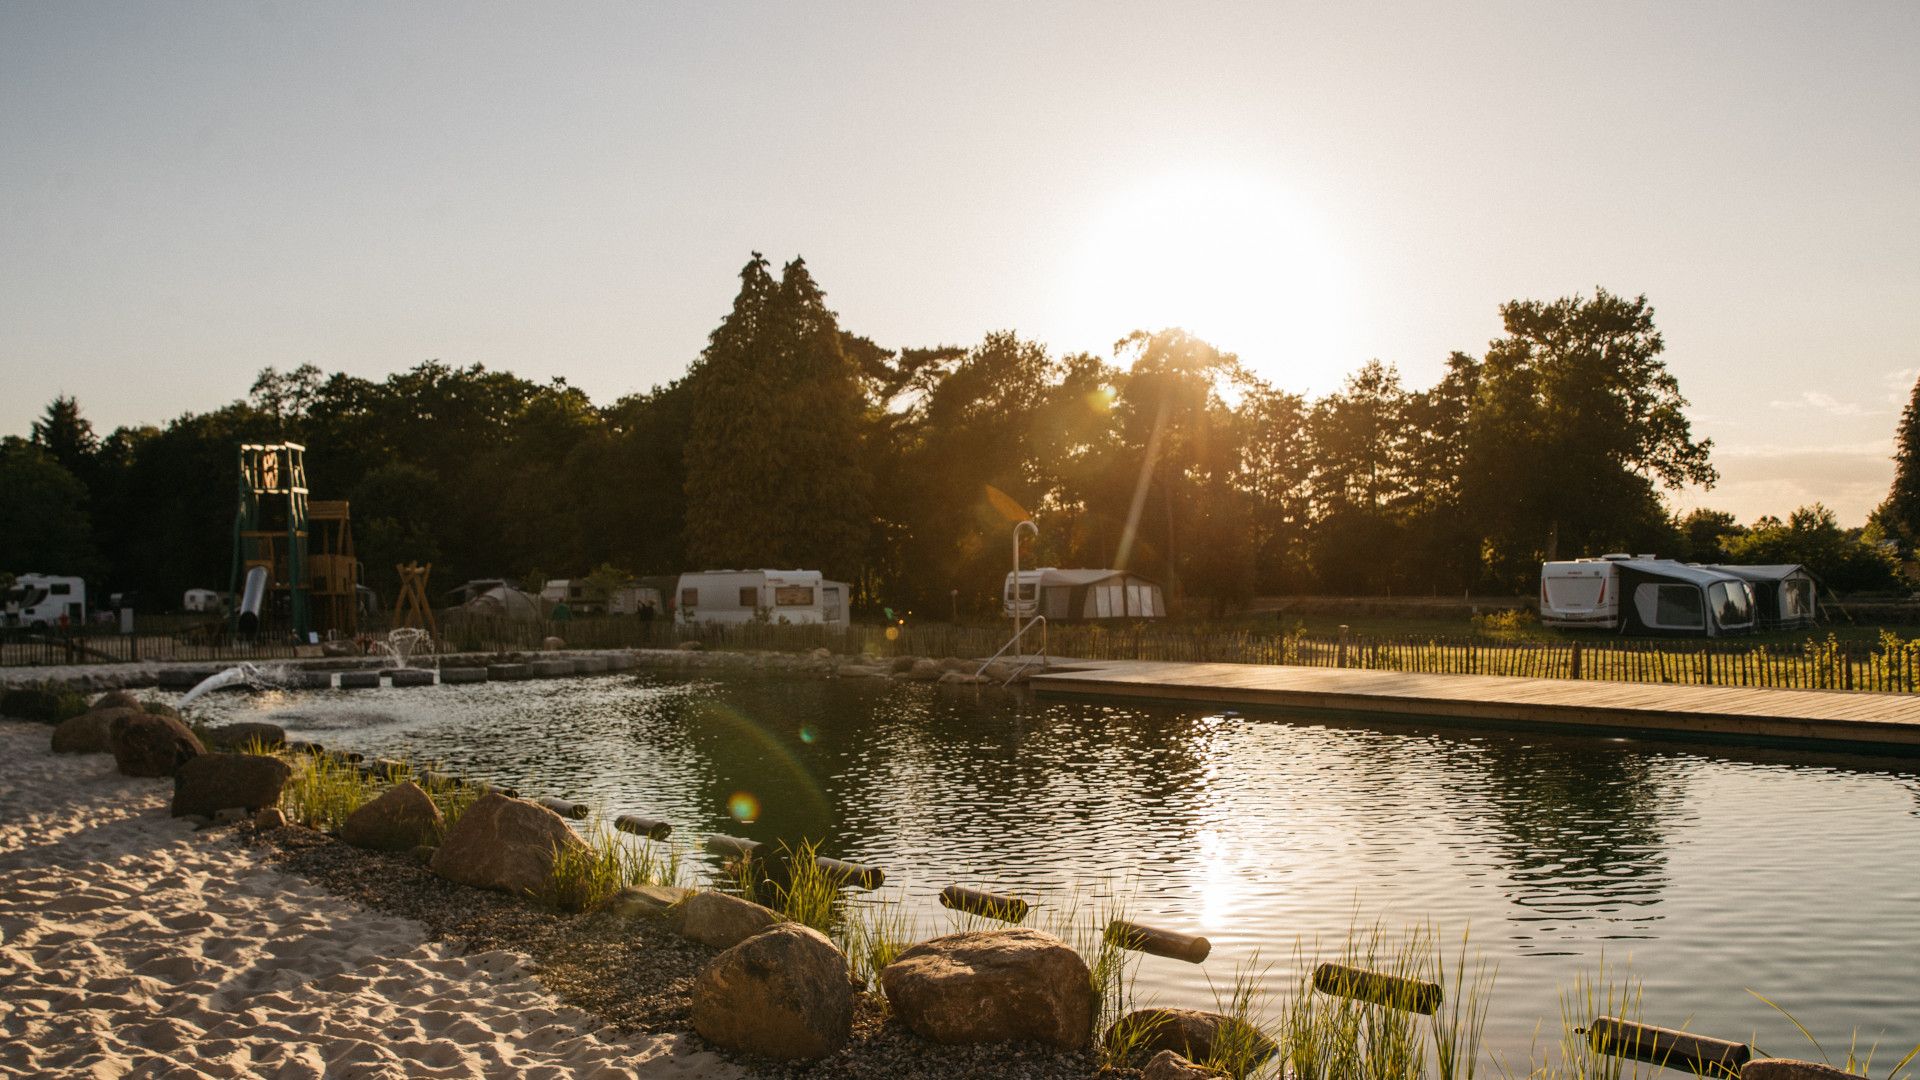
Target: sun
(1225, 255)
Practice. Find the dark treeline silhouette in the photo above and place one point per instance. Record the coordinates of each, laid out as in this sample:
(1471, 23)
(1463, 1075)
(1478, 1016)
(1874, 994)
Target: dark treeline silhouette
(792, 442)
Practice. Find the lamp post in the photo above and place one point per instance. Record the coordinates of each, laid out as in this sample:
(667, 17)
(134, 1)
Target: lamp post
(1035, 530)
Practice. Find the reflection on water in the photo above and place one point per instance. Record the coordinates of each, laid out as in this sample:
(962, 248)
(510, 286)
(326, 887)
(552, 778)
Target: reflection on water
(1708, 870)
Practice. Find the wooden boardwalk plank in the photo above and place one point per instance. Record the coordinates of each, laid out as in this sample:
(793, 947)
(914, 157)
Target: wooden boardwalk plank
(1823, 715)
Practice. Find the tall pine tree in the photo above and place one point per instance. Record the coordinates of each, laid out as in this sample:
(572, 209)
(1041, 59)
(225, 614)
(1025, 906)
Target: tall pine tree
(1901, 512)
(775, 476)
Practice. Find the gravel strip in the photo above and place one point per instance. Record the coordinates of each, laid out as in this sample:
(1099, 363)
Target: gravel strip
(638, 974)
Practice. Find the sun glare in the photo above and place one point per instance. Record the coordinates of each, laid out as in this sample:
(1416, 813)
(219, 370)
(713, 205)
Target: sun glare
(1234, 260)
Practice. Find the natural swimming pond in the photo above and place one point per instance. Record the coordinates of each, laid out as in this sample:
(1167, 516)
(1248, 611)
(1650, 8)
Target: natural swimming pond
(1707, 870)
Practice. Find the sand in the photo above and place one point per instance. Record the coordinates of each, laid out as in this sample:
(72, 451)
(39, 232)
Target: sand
(131, 945)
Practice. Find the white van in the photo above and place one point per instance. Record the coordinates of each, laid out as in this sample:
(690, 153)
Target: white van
(39, 600)
(796, 597)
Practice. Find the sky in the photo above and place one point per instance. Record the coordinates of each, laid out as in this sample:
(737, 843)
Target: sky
(190, 192)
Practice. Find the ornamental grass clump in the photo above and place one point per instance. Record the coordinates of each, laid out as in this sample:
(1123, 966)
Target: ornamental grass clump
(324, 791)
(1325, 1036)
(607, 862)
(873, 933)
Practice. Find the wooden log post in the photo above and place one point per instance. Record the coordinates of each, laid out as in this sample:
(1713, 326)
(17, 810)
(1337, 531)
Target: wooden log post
(1340, 657)
(1667, 1047)
(1148, 939)
(1001, 906)
(566, 808)
(649, 828)
(1377, 988)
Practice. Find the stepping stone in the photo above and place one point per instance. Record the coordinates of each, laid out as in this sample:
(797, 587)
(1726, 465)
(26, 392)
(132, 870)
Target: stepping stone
(452, 675)
(359, 680)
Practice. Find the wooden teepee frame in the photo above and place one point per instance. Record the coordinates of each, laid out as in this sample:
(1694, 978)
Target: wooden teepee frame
(412, 609)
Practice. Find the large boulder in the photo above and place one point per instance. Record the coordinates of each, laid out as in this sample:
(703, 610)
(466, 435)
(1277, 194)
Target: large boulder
(401, 819)
(116, 699)
(993, 986)
(147, 745)
(506, 844)
(1191, 1033)
(723, 921)
(209, 783)
(782, 993)
(634, 901)
(90, 732)
(245, 733)
(1167, 1065)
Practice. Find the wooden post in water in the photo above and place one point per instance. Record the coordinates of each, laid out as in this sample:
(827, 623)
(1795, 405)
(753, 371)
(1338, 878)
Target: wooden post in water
(1667, 1047)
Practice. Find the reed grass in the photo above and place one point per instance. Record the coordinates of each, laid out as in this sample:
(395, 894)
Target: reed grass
(323, 791)
(1241, 1047)
(1328, 1037)
(1853, 1063)
(1600, 993)
(606, 862)
(872, 934)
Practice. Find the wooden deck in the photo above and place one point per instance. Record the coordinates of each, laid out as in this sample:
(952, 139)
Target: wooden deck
(1888, 720)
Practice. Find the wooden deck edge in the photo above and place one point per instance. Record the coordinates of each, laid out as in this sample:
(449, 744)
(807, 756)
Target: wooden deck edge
(1792, 728)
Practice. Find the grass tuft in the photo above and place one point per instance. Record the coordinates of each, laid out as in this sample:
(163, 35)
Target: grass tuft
(323, 792)
(608, 862)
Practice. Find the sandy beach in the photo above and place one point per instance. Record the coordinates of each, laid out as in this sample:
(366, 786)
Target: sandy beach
(131, 945)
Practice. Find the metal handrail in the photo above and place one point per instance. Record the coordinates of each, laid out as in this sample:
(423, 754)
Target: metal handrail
(1015, 640)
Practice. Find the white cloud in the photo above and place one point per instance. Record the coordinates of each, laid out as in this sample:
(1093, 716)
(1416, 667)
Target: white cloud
(1827, 403)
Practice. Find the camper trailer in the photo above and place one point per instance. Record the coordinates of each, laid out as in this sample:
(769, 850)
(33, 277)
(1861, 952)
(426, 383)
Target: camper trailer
(42, 601)
(1783, 595)
(202, 600)
(774, 596)
(1063, 595)
(1641, 594)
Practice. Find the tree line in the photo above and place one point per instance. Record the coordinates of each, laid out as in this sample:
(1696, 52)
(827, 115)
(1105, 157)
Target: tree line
(791, 441)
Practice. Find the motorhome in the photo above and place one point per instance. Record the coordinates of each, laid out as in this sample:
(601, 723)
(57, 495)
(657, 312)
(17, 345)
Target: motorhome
(1643, 594)
(42, 600)
(774, 596)
(1063, 595)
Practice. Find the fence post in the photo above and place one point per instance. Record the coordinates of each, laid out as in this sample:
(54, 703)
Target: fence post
(1340, 656)
(1576, 660)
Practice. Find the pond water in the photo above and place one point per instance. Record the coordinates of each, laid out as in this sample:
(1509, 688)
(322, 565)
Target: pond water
(1704, 870)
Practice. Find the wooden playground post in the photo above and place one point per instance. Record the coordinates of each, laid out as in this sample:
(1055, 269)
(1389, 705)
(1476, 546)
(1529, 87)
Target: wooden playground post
(412, 608)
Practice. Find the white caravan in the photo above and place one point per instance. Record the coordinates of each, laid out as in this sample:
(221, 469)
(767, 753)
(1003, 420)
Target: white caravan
(1641, 594)
(774, 596)
(39, 600)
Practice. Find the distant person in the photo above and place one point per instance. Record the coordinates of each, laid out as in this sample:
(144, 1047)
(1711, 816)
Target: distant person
(646, 613)
(561, 612)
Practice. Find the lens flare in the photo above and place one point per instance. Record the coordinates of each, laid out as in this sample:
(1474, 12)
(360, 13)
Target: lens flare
(893, 633)
(744, 807)
(808, 735)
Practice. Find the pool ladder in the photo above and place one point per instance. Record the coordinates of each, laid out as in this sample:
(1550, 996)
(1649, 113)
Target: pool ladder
(1025, 660)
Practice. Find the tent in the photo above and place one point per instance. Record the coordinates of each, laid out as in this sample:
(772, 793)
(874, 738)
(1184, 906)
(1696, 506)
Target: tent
(1660, 596)
(1783, 594)
(1083, 594)
(502, 602)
